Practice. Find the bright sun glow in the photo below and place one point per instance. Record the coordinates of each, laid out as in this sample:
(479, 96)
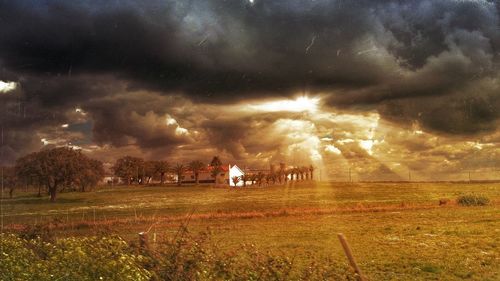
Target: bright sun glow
(367, 145)
(300, 104)
(7, 86)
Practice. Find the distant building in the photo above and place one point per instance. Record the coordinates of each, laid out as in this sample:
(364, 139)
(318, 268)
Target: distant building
(206, 176)
(224, 177)
(235, 171)
(110, 180)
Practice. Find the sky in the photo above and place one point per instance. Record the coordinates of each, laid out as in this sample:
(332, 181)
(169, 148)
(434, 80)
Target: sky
(384, 89)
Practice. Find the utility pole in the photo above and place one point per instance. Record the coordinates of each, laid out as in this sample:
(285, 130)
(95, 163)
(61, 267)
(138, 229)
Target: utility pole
(409, 175)
(469, 177)
(350, 177)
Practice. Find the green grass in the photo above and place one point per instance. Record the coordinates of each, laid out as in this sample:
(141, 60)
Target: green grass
(397, 231)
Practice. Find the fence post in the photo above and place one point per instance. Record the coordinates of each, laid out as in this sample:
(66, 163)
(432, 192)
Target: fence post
(143, 241)
(154, 238)
(350, 257)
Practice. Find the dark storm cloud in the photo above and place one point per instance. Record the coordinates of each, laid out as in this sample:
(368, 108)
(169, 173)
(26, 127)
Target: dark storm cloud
(432, 62)
(217, 47)
(39, 106)
(240, 135)
(137, 119)
(473, 110)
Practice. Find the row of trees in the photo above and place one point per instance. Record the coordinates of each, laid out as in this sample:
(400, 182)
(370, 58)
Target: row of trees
(135, 170)
(63, 168)
(54, 170)
(280, 175)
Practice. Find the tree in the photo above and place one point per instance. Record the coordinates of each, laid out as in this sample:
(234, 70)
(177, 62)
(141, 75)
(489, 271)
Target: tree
(179, 169)
(58, 168)
(295, 172)
(235, 180)
(196, 167)
(268, 179)
(301, 172)
(149, 170)
(161, 168)
(129, 169)
(244, 178)
(311, 170)
(92, 171)
(215, 161)
(55, 168)
(216, 165)
(260, 178)
(9, 179)
(253, 178)
(281, 172)
(27, 168)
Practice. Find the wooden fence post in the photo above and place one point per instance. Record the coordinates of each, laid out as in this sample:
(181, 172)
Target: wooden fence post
(154, 238)
(143, 241)
(350, 257)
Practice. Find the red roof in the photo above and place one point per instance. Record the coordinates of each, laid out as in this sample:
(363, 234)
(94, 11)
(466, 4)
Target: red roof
(224, 168)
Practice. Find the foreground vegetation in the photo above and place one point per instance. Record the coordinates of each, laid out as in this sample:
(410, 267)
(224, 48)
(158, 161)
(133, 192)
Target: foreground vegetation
(397, 231)
(185, 257)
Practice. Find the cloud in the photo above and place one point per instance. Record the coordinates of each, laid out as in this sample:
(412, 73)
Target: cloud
(208, 50)
(174, 76)
(126, 120)
(7, 86)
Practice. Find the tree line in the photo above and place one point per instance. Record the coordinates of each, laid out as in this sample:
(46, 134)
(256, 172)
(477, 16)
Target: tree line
(66, 169)
(135, 170)
(280, 175)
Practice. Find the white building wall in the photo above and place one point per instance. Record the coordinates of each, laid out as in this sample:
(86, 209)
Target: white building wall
(235, 172)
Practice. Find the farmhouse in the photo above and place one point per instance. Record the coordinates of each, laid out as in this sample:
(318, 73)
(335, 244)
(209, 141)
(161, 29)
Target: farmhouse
(235, 171)
(224, 177)
(205, 175)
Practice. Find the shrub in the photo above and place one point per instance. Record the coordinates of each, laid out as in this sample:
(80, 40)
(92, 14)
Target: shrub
(473, 200)
(185, 257)
(93, 258)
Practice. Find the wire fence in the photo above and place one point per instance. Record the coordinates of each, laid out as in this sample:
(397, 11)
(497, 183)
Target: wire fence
(410, 176)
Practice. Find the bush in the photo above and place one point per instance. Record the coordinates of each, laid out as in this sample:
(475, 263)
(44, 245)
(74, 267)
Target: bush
(94, 258)
(473, 200)
(185, 257)
(196, 257)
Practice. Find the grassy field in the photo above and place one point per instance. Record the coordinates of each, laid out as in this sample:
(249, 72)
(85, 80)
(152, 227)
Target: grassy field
(397, 231)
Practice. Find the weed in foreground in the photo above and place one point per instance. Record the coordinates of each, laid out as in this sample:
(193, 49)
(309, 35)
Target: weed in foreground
(186, 256)
(197, 257)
